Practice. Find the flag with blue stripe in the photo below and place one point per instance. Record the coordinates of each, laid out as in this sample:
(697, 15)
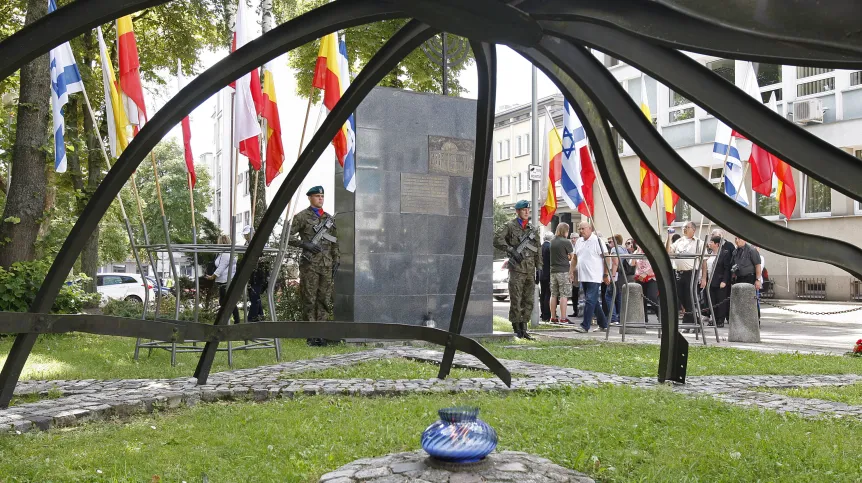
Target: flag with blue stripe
(577, 175)
(350, 157)
(65, 80)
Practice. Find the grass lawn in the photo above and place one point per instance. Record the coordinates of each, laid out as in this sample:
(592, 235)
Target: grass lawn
(616, 434)
(388, 369)
(851, 394)
(642, 359)
(85, 356)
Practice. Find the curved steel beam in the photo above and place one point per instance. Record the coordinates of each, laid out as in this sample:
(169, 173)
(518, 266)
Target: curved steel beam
(831, 24)
(674, 347)
(486, 69)
(288, 36)
(387, 58)
(64, 24)
(619, 107)
(670, 28)
(488, 21)
(796, 146)
(180, 331)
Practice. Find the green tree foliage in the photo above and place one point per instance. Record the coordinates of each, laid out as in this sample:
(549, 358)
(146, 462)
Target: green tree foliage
(501, 217)
(20, 282)
(175, 193)
(415, 72)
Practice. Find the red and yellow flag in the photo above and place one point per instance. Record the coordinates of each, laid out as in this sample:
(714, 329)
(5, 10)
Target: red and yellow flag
(274, 147)
(786, 192)
(551, 172)
(670, 200)
(326, 77)
(649, 185)
(129, 85)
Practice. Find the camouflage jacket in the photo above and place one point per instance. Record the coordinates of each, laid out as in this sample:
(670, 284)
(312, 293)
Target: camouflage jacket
(302, 230)
(509, 236)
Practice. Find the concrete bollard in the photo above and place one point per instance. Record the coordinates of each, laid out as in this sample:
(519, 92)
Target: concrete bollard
(744, 325)
(633, 311)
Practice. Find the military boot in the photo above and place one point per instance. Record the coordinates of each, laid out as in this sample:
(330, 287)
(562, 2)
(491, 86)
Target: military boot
(516, 328)
(524, 333)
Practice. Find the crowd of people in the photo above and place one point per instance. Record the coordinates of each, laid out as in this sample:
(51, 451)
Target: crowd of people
(569, 265)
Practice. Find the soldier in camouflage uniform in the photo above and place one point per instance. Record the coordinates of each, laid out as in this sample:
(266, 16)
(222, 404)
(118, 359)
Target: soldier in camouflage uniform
(522, 267)
(318, 263)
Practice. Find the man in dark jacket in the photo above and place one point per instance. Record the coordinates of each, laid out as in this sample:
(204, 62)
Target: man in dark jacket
(545, 278)
(719, 287)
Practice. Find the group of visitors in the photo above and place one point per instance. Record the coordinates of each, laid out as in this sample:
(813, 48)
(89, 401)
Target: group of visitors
(583, 262)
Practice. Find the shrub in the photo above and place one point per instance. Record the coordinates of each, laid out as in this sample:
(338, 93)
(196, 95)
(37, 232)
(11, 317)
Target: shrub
(20, 282)
(123, 308)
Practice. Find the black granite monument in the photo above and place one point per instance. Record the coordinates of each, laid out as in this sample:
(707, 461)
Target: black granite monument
(401, 233)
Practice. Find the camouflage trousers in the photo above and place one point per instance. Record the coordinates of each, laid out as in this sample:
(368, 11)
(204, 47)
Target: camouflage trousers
(315, 290)
(521, 292)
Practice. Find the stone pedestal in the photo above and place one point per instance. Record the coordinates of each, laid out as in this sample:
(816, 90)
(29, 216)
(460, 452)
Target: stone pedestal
(402, 232)
(744, 324)
(505, 466)
(633, 311)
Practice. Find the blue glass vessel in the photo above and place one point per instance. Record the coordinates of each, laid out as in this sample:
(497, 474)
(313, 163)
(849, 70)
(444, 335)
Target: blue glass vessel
(459, 436)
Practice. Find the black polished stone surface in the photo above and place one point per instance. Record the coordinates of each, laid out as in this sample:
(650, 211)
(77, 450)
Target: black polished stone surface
(403, 267)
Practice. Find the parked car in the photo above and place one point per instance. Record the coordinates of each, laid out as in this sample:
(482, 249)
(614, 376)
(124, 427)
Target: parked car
(501, 279)
(123, 286)
(162, 289)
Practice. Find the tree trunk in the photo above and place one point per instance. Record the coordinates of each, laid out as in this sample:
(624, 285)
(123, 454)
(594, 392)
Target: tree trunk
(90, 253)
(25, 200)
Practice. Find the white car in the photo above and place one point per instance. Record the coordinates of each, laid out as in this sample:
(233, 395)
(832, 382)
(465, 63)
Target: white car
(123, 286)
(500, 279)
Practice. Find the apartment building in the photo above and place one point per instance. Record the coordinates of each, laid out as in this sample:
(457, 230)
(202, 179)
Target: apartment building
(826, 102)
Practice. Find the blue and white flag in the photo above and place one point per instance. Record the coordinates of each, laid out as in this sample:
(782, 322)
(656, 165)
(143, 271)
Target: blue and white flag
(65, 80)
(577, 175)
(350, 157)
(734, 184)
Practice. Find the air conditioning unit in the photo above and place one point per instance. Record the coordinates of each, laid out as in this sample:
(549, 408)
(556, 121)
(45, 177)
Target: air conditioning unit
(809, 110)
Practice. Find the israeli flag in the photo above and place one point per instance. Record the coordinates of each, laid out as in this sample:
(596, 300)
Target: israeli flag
(734, 185)
(574, 140)
(350, 157)
(65, 80)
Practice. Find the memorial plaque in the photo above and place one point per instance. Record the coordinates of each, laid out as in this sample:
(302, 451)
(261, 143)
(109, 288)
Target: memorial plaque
(451, 156)
(424, 193)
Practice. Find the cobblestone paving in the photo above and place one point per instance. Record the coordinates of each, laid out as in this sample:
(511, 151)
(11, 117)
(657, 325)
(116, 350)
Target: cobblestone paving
(415, 466)
(91, 399)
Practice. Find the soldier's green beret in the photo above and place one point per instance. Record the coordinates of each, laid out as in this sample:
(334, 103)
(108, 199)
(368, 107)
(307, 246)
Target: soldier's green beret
(522, 204)
(316, 190)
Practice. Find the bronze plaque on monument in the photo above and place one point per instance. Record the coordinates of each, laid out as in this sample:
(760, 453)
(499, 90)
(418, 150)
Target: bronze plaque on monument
(450, 156)
(424, 193)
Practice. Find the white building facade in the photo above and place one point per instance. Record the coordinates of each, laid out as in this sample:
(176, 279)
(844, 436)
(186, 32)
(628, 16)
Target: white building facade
(826, 102)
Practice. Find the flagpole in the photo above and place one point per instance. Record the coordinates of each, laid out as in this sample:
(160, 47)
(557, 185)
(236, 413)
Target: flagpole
(120, 200)
(167, 233)
(192, 206)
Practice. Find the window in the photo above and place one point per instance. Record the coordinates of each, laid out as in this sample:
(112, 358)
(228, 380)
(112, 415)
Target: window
(724, 68)
(681, 109)
(856, 78)
(522, 144)
(769, 79)
(817, 197)
(505, 150)
(610, 61)
(128, 279)
(112, 280)
(823, 80)
(716, 178)
(499, 150)
(503, 186)
(682, 211)
(245, 183)
(523, 182)
(803, 72)
(766, 205)
(245, 218)
(815, 87)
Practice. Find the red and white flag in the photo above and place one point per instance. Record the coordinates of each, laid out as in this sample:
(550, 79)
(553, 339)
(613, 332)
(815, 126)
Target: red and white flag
(247, 98)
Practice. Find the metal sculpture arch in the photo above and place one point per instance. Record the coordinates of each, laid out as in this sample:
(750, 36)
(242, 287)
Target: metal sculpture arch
(550, 33)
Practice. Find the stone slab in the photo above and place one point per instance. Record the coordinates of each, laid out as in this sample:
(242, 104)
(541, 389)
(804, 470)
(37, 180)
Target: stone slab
(744, 322)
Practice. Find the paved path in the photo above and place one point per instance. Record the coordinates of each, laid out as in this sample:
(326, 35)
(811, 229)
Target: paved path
(94, 399)
(780, 330)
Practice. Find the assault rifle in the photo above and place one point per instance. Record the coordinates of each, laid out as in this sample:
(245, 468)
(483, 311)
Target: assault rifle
(321, 232)
(526, 243)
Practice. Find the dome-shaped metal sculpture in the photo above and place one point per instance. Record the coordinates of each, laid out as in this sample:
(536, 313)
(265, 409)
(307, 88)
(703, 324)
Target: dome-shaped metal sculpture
(554, 35)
